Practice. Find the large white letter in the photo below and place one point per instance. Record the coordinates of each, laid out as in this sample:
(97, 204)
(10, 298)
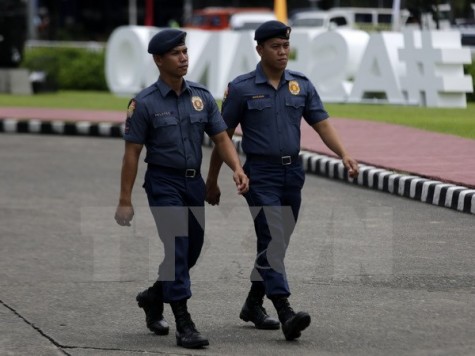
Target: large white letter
(244, 57)
(204, 57)
(434, 61)
(377, 73)
(127, 60)
(216, 57)
(335, 57)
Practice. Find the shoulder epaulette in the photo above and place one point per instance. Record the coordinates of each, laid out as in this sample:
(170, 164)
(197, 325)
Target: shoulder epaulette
(197, 85)
(147, 91)
(297, 74)
(243, 77)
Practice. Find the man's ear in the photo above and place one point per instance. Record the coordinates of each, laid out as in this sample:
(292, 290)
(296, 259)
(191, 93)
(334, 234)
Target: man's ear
(259, 50)
(157, 59)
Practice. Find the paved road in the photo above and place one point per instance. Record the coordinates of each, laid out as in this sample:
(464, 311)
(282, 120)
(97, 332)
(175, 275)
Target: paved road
(379, 274)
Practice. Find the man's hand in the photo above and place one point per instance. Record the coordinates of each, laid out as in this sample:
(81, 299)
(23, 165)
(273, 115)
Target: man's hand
(242, 181)
(124, 214)
(352, 166)
(213, 193)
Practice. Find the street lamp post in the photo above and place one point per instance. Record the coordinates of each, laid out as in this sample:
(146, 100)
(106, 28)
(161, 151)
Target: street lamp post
(132, 12)
(31, 20)
(187, 10)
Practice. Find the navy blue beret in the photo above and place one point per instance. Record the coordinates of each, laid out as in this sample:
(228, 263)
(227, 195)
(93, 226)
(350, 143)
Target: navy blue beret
(166, 40)
(272, 29)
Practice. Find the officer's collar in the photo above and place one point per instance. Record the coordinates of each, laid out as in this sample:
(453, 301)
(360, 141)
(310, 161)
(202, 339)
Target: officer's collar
(261, 76)
(165, 89)
(287, 76)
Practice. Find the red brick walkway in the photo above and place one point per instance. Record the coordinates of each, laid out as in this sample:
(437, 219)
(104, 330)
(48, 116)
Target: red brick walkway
(437, 156)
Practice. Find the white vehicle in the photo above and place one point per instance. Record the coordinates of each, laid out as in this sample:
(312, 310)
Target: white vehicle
(250, 20)
(369, 19)
(443, 12)
(322, 19)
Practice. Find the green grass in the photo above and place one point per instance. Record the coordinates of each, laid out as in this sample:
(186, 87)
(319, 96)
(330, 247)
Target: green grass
(459, 122)
(91, 100)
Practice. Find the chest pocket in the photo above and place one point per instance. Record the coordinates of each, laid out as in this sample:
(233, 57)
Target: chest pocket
(166, 130)
(259, 104)
(295, 106)
(199, 119)
(198, 125)
(295, 102)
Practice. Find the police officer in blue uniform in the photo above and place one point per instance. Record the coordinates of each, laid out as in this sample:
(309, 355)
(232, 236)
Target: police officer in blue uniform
(269, 104)
(170, 118)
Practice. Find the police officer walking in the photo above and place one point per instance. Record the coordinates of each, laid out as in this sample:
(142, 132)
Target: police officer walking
(269, 103)
(170, 118)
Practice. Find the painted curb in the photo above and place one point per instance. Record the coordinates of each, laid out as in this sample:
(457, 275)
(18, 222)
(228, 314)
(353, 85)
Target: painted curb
(82, 128)
(413, 187)
(422, 189)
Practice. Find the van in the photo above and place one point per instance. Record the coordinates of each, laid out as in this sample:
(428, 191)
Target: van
(322, 19)
(363, 18)
(443, 12)
(250, 20)
(219, 18)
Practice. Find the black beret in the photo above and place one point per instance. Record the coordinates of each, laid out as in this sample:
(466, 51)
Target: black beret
(166, 40)
(272, 29)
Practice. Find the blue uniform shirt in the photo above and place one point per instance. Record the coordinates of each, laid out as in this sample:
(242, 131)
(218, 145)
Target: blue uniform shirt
(171, 127)
(270, 119)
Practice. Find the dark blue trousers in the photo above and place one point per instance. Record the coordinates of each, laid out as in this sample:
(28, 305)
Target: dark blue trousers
(177, 205)
(274, 199)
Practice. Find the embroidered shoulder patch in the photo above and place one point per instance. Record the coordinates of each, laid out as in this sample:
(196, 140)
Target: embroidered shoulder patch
(226, 92)
(131, 108)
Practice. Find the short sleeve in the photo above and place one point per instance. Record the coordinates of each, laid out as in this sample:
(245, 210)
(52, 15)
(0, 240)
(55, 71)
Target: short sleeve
(314, 110)
(215, 123)
(231, 108)
(136, 123)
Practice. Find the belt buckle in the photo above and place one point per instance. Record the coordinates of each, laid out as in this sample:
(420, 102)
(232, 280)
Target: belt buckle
(286, 160)
(190, 173)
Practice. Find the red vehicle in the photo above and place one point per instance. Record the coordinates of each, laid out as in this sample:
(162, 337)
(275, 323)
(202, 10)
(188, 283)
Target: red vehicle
(218, 18)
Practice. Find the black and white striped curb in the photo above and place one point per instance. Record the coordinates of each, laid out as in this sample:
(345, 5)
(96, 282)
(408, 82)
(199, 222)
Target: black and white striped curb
(82, 128)
(422, 189)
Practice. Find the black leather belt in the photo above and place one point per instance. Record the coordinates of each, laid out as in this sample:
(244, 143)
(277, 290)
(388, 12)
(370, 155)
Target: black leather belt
(188, 173)
(284, 160)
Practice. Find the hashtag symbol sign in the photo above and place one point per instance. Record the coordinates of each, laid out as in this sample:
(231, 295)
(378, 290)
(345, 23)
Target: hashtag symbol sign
(424, 82)
(420, 83)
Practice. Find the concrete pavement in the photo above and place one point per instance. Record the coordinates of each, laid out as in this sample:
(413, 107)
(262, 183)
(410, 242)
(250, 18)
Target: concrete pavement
(379, 274)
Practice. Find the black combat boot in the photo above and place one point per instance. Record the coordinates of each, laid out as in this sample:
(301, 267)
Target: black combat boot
(186, 334)
(292, 323)
(151, 301)
(253, 310)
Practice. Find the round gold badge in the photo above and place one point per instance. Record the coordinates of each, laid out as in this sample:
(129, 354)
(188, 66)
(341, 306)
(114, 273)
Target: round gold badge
(197, 103)
(294, 87)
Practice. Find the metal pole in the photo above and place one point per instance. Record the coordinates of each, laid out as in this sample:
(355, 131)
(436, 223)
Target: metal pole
(187, 10)
(132, 12)
(31, 20)
(396, 26)
(313, 3)
(149, 15)
(280, 10)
